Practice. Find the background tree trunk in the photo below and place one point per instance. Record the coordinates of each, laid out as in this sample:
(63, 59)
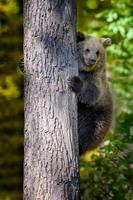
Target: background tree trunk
(51, 138)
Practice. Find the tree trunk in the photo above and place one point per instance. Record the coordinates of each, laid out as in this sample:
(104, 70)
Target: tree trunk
(51, 138)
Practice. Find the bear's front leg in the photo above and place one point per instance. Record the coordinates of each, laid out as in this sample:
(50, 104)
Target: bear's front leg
(21, 65)
(75, 84)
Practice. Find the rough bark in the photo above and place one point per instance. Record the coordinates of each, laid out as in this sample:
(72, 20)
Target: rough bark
(51, 138)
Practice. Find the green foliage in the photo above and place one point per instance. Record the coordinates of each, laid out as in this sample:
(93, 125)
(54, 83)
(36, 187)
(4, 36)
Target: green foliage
(11, 104)
(106, 174)
(9, 7)
(110, 174)
(107, 177)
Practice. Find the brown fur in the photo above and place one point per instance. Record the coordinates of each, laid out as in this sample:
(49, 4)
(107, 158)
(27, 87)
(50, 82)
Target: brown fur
(95, 106)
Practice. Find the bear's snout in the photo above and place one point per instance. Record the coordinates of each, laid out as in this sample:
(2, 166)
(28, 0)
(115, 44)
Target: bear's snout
(92, 61)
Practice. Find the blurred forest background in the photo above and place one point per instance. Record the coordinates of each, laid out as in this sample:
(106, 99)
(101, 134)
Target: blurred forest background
(106, 173)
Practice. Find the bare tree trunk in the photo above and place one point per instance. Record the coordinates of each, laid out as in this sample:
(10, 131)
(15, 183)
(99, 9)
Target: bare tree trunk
(51, 138)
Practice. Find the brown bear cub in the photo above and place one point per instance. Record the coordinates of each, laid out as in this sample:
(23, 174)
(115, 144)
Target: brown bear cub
(95, 107)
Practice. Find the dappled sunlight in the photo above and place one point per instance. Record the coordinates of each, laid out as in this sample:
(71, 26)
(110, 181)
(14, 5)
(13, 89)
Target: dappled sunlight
(107, 172)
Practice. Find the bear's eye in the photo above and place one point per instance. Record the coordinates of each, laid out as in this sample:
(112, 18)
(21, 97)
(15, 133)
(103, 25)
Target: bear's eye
(97, 52)
(87, 50)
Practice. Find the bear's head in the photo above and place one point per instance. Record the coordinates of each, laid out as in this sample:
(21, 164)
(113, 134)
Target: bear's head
(92, 53)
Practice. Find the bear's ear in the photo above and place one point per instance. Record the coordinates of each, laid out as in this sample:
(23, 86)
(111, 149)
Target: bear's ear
(80, 37)
(106, 42)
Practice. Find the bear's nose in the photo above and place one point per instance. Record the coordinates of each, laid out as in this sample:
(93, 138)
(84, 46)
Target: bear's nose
(92, 61)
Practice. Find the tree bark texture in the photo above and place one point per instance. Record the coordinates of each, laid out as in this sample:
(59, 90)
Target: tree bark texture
(51, 139)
